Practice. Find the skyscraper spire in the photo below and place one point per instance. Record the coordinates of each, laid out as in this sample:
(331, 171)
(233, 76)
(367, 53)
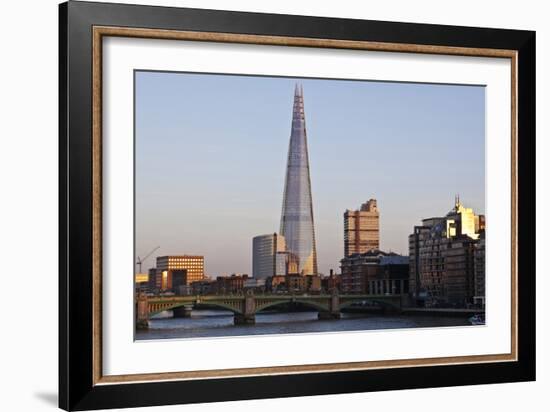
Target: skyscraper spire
(297, 215)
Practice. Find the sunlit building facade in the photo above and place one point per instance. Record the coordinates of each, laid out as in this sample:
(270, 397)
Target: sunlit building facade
(442, 257)
(176, 271)
(141, 282)
(362, 229)
(297, 225)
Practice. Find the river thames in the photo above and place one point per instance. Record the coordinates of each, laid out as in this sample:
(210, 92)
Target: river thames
(210, 323)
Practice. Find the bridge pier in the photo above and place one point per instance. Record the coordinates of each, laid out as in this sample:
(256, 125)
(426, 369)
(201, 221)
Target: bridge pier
(328, 315)
(248, 315)
(142, 313)
(142, 324)
(183, 311)
(333, 308)
(240, 319)
(395, 309)
(391, 310)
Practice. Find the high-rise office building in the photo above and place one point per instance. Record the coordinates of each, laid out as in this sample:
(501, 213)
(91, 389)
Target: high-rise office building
(297, 215)
(362, 229)
(269, 256)
(175, 271)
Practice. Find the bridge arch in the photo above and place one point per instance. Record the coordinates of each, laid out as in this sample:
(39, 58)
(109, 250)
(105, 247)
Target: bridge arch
(220, 305)
(312, 304)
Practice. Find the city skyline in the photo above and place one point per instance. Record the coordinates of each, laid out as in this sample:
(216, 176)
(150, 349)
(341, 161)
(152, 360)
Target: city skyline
(178, 210)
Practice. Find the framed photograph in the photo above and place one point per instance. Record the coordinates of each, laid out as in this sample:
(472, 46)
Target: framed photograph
(256, 205)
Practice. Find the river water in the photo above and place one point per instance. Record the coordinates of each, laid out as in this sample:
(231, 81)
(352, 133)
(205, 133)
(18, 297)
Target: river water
(210, 323)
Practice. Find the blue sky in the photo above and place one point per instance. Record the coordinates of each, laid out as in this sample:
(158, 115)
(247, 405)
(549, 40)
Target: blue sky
(211, 155)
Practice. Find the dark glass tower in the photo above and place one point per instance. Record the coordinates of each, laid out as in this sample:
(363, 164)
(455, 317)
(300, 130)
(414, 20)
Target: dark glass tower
(297, 215)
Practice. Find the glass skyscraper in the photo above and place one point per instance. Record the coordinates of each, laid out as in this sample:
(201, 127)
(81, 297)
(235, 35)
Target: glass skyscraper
(297, 216)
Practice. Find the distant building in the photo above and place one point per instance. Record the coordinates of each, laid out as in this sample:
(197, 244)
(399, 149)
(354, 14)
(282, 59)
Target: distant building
(254, 284)
(201, 287)
(362, 229)
(152, 281)
(269, 256)
(441, 254)
(375, 272)
(183, 289)
(174, 271)
(479, 271)
(276, 283)
(297, 283)
(229, 284)
(314, 284)
(142, 282)
(331, 283)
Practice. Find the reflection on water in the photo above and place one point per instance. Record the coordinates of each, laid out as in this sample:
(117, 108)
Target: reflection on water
(209, 323)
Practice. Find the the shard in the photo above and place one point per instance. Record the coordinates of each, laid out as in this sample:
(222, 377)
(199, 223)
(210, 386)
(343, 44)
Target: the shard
(297, 215)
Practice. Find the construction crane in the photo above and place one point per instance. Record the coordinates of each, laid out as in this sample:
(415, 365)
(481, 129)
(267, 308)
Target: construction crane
(140, 260)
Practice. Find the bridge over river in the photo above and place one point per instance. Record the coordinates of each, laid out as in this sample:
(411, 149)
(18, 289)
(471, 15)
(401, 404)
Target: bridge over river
(245, 307)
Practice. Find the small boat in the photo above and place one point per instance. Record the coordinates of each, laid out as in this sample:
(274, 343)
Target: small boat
(477, 319)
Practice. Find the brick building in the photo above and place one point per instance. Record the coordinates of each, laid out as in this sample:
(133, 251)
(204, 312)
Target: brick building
(375, 272)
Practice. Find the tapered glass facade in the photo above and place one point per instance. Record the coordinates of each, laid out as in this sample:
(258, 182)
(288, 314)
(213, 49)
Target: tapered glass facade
(297, 215)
